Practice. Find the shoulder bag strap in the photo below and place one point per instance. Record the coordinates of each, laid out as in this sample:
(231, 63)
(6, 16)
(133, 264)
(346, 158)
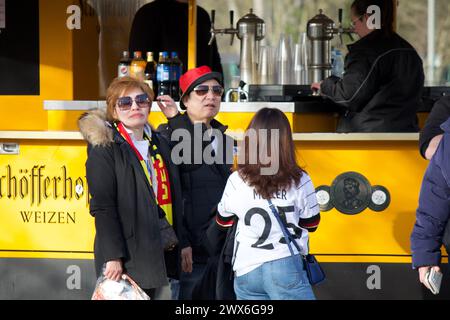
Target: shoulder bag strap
(287, 236)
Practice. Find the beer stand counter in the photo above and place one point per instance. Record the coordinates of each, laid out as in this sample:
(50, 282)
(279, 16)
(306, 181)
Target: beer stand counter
(354, 242)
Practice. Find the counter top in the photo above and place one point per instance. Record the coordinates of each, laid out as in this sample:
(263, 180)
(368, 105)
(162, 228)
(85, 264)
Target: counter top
(70, 105)
(75, 135)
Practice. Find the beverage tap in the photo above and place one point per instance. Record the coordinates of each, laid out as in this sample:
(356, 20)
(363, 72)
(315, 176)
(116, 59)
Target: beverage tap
(320, 31)
(340, 30)
(250, 30)
(231, 30)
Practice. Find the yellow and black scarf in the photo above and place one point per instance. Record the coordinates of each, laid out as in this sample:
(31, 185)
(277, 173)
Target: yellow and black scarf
(163, 195)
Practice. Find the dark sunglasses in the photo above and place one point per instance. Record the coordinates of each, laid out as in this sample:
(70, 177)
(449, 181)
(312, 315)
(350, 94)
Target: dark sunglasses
(202, 90)
(125, 103)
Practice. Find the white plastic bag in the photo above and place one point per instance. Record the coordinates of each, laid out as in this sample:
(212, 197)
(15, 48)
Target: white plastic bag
(125, 289)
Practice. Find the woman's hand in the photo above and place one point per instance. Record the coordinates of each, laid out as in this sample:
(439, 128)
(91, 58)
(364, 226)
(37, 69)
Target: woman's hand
(114, 270)
(167, 106)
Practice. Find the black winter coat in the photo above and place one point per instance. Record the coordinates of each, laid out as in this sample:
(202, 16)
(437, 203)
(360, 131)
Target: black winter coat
(438, 115)
(123, 204)
(382, 86)
(202, 185)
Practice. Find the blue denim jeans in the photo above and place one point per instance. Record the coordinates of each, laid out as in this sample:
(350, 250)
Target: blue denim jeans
(189, 280)
(274, 280)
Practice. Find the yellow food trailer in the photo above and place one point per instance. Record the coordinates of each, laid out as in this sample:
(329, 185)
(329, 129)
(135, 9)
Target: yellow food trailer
(47, 234)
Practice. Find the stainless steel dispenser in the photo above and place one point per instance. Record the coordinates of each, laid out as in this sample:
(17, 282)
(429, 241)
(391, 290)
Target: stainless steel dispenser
(250, 30)
(320, 31)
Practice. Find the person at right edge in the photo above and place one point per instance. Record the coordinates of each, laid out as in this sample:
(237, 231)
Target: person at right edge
(432, 133)
(383, 79)
(433, 213)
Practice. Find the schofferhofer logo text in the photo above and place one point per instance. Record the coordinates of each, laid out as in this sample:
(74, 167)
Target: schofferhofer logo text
(34, 184)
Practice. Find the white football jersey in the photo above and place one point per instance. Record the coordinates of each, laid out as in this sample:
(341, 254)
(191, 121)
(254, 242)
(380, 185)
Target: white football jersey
(258, 236)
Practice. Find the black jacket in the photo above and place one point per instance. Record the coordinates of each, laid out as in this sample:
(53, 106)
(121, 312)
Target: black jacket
(124, 207)
(162, 25)
(438, 115)
(202, 184)
(382, 85)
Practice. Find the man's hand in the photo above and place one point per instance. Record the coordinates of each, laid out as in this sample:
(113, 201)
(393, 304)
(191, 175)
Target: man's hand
(114, 269)
(167, 106)
(186, 259)
(423, 272)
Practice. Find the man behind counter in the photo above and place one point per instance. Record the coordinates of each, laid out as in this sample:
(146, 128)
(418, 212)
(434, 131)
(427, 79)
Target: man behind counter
(161, 25)
(383, 80)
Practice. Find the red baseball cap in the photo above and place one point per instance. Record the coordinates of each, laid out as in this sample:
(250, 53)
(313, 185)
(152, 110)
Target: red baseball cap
(193, 78)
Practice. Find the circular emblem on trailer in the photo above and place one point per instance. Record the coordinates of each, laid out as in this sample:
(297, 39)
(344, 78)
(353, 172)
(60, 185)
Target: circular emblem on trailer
(324, 198)
(351, 193)
(380, 198)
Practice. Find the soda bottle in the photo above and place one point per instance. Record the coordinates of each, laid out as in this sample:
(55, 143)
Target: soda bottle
(337, 63)
(150, 71)
(138, 66)
(123, 68)
(163, 74)
(176, 70)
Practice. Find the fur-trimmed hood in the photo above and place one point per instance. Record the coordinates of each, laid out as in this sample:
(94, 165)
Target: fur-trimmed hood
(95, 128)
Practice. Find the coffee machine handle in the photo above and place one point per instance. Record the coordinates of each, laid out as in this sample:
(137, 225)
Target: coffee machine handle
(213, 17)
(232, 26)
(341, 16)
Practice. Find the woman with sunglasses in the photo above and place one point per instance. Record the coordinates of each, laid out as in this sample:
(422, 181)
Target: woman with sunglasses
(381, 88)
(202, 182)
(131, 182)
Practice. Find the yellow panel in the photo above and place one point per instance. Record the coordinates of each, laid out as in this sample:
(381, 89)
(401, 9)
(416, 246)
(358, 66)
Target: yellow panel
(234, 121)
(394, 165)
(422, 118)
(240, 121)
(43, 196)
(63, 120)
(192, 35)
(314, 122)
(26, 112)
(367, 237)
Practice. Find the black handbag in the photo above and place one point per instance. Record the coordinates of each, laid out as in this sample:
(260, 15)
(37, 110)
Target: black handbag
(315, 272)
(168, 237)
(310, 264)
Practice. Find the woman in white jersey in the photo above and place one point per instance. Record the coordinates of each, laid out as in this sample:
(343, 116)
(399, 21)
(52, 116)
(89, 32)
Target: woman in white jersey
(263, 265)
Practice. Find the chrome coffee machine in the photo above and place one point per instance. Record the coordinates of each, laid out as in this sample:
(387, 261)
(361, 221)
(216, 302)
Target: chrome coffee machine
(250, 30)
(320, 31)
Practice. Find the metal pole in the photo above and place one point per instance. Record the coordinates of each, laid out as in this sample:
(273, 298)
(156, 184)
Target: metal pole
(192, 35)
(431, 51)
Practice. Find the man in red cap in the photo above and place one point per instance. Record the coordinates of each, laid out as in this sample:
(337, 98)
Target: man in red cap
(202, 183)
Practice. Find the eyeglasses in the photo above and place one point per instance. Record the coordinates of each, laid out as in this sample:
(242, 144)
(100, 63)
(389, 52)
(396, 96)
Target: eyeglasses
(353, 22)
(202, 90)
(125, 103)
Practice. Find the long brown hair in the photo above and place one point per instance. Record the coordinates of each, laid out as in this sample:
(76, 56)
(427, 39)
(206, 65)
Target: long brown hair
(289, 171)
(387, 12)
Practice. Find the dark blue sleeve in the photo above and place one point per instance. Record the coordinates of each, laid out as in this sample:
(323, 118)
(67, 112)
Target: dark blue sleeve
(434, 208)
